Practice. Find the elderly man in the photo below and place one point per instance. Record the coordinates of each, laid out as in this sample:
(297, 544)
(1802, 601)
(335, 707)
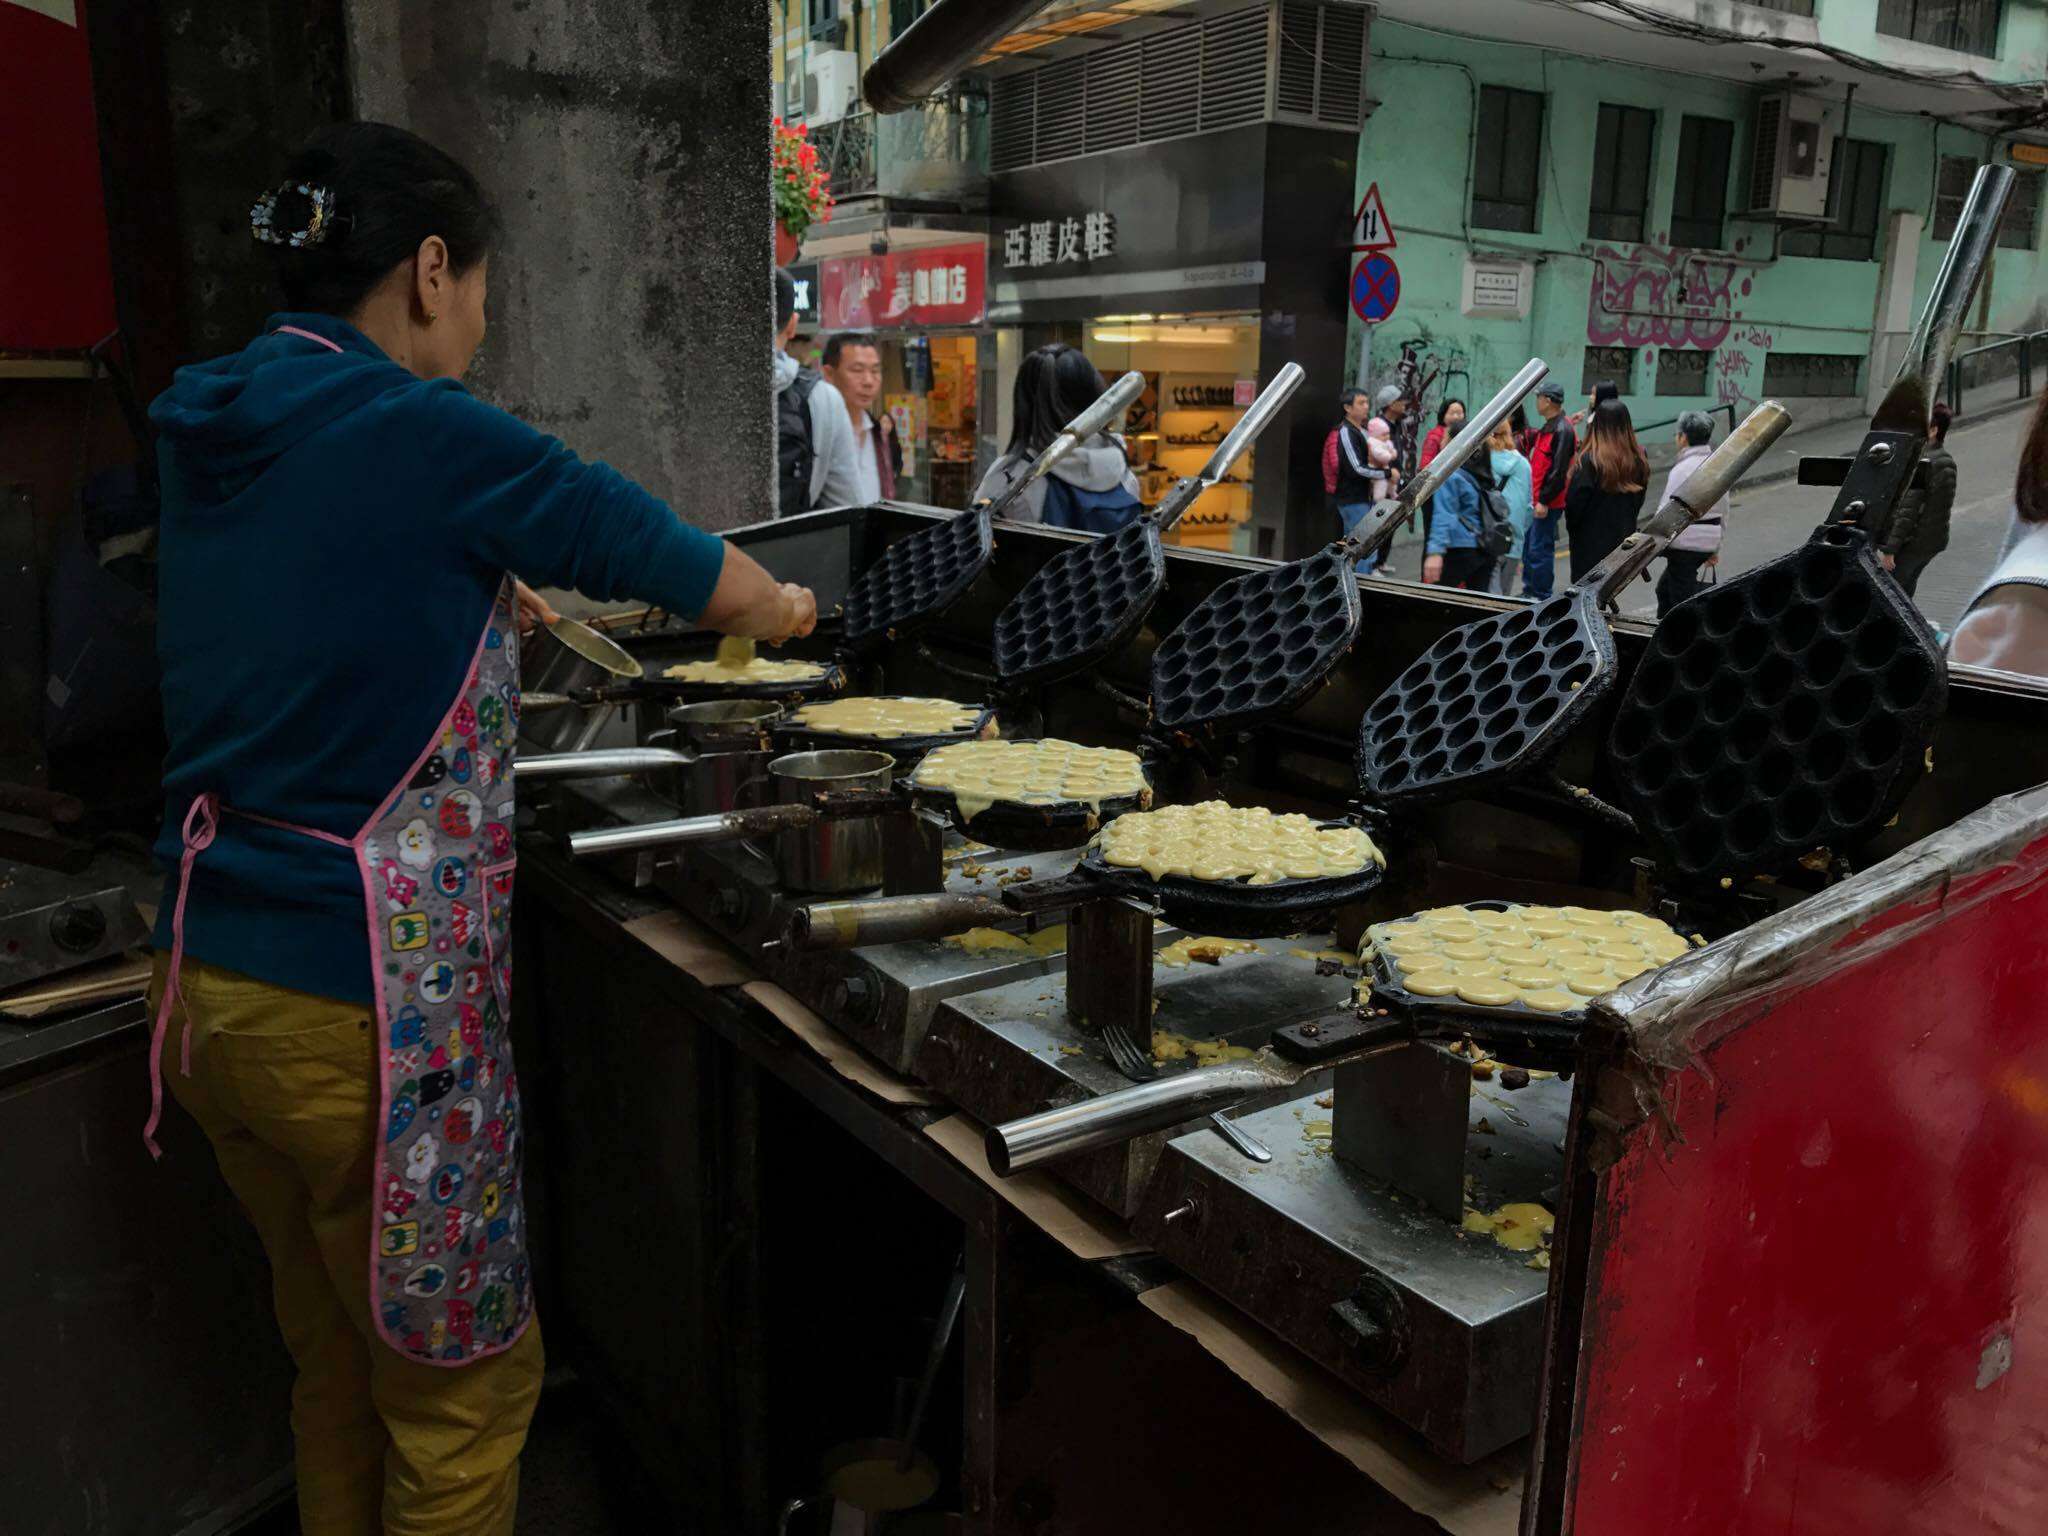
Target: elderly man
(1699, 547)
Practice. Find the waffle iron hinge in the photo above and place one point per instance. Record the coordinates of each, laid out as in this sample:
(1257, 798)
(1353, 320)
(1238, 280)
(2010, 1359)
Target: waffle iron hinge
(1109, 967)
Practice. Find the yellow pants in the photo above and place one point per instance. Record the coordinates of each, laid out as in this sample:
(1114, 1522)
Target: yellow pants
(285, 1086)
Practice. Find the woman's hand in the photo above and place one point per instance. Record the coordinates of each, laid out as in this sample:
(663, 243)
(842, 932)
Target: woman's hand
(533, 608)
(1433, 569)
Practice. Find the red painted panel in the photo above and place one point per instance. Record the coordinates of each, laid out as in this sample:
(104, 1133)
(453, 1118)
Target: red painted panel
(916, 286)
(1827, 1312)
(56, 282)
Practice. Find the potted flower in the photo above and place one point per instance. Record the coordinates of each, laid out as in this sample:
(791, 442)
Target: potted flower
(801, 198)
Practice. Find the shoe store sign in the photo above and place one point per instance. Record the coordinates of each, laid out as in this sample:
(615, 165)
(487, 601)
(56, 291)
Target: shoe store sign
(1059, 242)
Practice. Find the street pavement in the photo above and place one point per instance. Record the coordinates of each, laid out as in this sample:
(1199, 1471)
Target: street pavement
(1774, 519)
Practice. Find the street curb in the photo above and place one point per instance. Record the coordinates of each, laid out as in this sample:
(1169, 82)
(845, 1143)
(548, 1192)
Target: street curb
(1975, 418)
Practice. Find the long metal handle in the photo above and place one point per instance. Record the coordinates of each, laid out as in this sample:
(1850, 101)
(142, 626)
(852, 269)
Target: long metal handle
(1695, 496)
(729, 827)
(1933, 340)
(892, 920)
(1477, 429)
(1256, 418)
(1128, 1112)
(602, 763)
(1108, 406)
(1243, 1140)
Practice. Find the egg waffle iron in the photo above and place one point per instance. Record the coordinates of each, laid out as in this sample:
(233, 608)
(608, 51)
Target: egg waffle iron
(1792, 708)
(1493, 701)
(1259, 645)
(793, 692)
(1088, 601)
(919, 577)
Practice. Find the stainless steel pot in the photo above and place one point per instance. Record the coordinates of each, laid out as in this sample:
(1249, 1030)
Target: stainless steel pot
(723, 745)
(829, 856)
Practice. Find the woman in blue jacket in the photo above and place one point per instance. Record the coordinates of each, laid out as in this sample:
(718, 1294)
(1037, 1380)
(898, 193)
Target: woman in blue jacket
(339, 631)
(1452, 556)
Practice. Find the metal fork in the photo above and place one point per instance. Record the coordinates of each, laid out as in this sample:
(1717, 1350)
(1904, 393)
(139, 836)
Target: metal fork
(1137, 1066)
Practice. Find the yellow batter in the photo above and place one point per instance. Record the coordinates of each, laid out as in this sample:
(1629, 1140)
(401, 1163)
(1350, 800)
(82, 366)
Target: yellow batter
(982, 773)
(736, 662)
(887, 717)
(1546, 959)
(1195, 950)
(1215, 841)
(1520, 1226)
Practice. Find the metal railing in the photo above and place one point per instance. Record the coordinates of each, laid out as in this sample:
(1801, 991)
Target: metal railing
(1726, 408)
(848, 150)
(1986, 365)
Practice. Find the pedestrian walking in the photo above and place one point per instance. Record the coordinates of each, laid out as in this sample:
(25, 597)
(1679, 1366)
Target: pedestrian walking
(813, 434)
(1607, 485)
(1919, 526)
(1698, 548)
(1511, 475)
(2005, 625)
(1469, 510)
(1358, 477)
(1092, 489)
(1551, 456)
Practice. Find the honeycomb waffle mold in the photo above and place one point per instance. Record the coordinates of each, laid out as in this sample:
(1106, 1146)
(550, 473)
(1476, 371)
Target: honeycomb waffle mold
(1782, 712)
(1486, 703)
(1257, 646)
(918, 578)
(1233, 909)
(1080, 606)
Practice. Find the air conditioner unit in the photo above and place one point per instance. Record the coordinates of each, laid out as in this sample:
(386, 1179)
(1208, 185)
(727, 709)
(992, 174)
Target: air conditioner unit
(793, 89)
(1792, 150)
(831, 86)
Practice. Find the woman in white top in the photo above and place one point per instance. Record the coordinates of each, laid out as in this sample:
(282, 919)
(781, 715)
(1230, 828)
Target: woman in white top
(2006, 624)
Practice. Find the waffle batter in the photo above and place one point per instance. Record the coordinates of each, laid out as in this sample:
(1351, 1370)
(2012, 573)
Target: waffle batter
(980, 774)
(885, 718)
(736, 662)
(1215, 841)
(1547, 959)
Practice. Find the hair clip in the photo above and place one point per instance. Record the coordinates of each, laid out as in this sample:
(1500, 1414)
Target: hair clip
(263, 217)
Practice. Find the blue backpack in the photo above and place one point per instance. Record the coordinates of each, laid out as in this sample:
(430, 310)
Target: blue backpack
(1068, 506)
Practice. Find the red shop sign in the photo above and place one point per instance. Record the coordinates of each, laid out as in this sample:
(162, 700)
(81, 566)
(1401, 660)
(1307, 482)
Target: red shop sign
(925, 285)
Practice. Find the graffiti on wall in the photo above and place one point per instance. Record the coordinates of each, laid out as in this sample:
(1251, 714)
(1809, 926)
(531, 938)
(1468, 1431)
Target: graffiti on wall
(1739, 364)
(1648, 295)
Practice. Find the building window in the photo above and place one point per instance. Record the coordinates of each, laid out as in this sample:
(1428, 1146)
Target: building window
(1699, 202)
(1508, 158)
(1965, 26)
(1611, 365)
(2022, 214)
(1682, 373)
(1855, 204)
(1621, 173)
(1809, 374)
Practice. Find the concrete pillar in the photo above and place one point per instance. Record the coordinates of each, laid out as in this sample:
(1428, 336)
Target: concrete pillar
(627, 143)
(1895, 311)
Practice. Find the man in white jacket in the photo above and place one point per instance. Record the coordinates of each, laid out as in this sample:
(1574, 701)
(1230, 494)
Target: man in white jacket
(1699, 547)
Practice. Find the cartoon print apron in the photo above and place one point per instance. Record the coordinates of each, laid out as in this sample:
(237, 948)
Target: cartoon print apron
(449, 1277)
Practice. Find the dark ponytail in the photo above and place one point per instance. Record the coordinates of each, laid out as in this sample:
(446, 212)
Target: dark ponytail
(356, 201)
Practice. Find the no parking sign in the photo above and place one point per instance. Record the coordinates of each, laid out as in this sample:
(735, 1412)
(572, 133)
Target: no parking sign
(1375, 287)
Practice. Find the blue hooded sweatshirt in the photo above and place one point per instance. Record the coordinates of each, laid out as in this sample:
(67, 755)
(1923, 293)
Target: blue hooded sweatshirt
(334, 533)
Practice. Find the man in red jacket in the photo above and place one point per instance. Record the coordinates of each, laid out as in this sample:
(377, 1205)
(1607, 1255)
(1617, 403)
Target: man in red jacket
(1550, 470)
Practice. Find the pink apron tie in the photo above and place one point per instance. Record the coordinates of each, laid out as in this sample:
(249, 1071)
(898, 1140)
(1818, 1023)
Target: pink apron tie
(202, 822)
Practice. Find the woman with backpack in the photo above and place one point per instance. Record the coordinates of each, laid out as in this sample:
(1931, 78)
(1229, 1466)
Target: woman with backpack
(1606, 489)
(1471, 530)
(1092, 489)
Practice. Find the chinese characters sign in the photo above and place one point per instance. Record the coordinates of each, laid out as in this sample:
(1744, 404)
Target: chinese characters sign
(1055, 242)
(924, 285)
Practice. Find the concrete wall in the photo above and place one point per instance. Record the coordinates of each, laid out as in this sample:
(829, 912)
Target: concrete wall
(1740, 304)
(627, 142)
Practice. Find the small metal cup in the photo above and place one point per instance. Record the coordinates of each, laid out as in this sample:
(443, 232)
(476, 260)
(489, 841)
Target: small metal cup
(834, 856)
(725, 741)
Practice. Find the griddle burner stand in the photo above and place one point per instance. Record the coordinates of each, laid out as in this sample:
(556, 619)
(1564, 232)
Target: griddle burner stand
(1400, 1119)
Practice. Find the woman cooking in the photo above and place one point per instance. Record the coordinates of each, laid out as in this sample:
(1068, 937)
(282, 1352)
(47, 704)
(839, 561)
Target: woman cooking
(339, 634)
